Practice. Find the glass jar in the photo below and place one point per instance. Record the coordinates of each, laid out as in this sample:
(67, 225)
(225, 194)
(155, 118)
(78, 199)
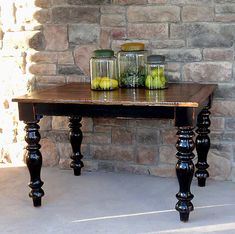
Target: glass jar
(103, 70)
(131, 65)
(155, 72)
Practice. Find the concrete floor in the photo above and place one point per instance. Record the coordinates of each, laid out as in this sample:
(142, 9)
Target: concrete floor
(110, 203)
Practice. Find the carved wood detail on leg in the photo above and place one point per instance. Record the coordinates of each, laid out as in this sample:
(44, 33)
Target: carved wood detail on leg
(34, 161)
(202, 145)
(184, 171)
(75, 137)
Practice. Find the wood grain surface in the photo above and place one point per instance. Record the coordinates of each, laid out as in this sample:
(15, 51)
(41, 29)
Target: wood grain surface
(177, 94)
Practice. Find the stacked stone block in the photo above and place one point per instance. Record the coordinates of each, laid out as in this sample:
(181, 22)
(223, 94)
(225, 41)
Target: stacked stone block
(196, 36)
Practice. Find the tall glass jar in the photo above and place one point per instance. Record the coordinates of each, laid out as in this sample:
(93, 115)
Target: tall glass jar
(103, 70)
(131, 65)
(155, 72)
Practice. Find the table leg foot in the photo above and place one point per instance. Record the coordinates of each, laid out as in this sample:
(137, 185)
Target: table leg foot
(184, 217)
(34, 161)
(202, 146)
(75, 137)
(184, 171)
(37, 202)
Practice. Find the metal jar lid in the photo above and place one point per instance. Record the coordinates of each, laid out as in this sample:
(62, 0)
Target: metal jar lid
(132, 46)
(103, 53)
(156, 59)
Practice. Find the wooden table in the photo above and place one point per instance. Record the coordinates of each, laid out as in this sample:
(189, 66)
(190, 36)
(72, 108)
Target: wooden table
(187, 104)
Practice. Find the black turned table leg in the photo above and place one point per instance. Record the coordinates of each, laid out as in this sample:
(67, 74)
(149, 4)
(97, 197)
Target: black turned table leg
(75, 137)
(202, 146)
(34, 161)
(184, 171)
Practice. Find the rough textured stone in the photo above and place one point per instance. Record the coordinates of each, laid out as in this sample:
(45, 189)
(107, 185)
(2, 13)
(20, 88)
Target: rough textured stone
(118, 152)
(42, 16)
(43, 69)
(88, 2)
(44, 57)
(101, 138)
(197, 13)
(167, 154)
(65, 57)
(225, 18)
(220, 167)
(147, 136)
(101, 152)
(225, 91)
(111, 20)
(209, 35)
(60, 123)
(177, 31)
(49, 152)
(207, 71)
(87, 124)
(157, 1)
(122, 136)
(118, 33)
(68, 70)
(75, 14)
(225, 8)
(42, 3)
(146, 154)
(223, 108)
(82, 55)
(153, 14)
(193, 2)
(168, 136)
(162, 44)
(56, 37)
(148, 31)
(129, 2)
(84, 33)
(230, 124)
(180, 55)
(64, 150)
(37, 42)
(107, 9)
(104, 38)
(50, 79)
(217, 123)
(218, 54)
(45, 123)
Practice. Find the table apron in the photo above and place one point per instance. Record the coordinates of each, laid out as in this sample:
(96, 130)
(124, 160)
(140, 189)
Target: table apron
(30, 111)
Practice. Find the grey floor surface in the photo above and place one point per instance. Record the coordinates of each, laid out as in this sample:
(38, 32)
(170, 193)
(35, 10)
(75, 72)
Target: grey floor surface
(110, 203)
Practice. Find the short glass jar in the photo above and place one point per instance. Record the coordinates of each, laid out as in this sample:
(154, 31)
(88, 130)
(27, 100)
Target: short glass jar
(131, 65)
(155, 72)
(103, 70)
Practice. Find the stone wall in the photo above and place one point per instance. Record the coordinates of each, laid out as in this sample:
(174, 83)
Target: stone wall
(196, 36)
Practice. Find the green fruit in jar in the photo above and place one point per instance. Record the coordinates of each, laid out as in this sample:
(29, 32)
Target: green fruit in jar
(157, 72)
(95, 83)
(157, 83)
(106, 83)
(149, 82)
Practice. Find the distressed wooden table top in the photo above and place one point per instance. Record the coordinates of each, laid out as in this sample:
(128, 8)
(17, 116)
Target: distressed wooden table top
(176, 95)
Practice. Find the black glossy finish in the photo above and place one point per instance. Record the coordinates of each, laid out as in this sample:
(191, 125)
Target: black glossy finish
(202, 146)
(34, 161)
(75, 137)
(184, 171)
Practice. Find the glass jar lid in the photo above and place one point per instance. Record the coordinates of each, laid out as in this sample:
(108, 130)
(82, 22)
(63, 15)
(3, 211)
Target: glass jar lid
(156, 59)
(132, 46)
(103, 53)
